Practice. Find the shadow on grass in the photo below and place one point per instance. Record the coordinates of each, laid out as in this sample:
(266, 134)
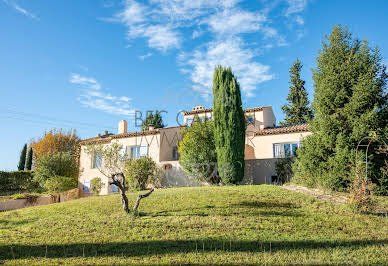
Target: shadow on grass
(161, 247)
(267, 204)
(252, 209)
(21, 222)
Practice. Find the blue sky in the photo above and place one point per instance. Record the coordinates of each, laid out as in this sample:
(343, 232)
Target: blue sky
(88, 64)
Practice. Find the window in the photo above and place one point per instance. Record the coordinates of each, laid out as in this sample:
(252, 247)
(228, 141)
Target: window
(250, 119)
(175, 154)
(136, 152)
(86, 186)
(97, 160)
(284, 150)
(114, 188)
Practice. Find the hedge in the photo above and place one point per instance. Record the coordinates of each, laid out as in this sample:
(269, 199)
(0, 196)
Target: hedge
(17, 180)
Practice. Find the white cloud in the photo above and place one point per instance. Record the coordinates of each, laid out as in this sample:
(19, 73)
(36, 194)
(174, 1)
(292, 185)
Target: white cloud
(299, 20)
(142, 57)
(225, 24)
(160, 37)
(132, 13)
(87, 82)
(227, 53)
(235, 21)
(93, 97)
(295, 6)
(196, 34)
(20, 9)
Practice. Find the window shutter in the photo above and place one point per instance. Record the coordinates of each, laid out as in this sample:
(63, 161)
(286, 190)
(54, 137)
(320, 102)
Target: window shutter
(143, 150)
(277, 150)
(123, 152)
(86, 186)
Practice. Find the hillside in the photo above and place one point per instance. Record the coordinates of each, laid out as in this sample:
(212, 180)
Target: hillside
(244, 224)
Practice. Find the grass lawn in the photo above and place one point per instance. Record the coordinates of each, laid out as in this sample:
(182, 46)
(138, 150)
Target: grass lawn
(207, 225)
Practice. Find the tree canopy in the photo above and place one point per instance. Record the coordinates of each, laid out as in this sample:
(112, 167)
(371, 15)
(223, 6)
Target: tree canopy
(153, 118)
(229, 126)
(22, 159)
(296, 109)
(350, 103)
(55, 141)
(197, 152)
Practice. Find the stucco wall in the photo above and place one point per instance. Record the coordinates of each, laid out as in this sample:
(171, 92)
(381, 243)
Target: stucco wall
(23, 203)
(259, 171)
(263, 145)
(268, 117)
(87, 173)
(169, 138)
(175, 176)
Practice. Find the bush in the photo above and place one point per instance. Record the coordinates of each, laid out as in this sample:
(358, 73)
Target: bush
(96, 185)
(197, 152)
(140, 173)
(17, 180)
(59, 164)
(58, 184)
(284, 170)
(361, 193)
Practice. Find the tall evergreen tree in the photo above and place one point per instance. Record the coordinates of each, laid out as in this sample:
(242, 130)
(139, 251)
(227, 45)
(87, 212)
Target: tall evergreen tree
(22, 159)
(296, 110)
(229, 126)
(29, 160)
(154, 119)
(350, 102)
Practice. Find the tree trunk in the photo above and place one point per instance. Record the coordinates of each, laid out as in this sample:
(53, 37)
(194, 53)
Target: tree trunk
(121, 186)
(141, 197)
(124, 201)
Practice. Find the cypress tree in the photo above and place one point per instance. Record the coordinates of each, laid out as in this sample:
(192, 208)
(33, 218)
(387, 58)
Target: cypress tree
(296, 110)
(350, 103)
(153, 119)
(229, 126)
(22, 159)
(29, 160)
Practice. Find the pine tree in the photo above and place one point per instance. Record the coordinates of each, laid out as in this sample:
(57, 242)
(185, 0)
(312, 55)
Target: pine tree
(29, 160)
(22, 159)
(229, 126)
(350, 103)
(296, 110)
(153, 119)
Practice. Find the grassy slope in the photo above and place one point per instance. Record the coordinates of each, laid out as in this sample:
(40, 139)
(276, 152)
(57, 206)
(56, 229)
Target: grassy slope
(245, 224)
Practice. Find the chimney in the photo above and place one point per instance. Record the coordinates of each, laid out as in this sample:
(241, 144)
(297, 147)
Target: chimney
(197, 108)
(123, 127)
(98, 135)
(106, 133)
(151, 127)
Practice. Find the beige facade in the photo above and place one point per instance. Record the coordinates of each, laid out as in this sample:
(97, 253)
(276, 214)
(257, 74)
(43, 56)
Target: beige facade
(264, 143)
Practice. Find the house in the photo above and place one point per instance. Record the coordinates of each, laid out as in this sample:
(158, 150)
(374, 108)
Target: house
(265, 143)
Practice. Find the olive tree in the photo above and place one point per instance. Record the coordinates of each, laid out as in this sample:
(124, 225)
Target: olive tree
(112, 167)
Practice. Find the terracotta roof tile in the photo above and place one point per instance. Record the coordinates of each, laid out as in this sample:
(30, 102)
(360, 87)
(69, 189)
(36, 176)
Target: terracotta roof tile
(209, 110)
(283, 129)
(107, 139)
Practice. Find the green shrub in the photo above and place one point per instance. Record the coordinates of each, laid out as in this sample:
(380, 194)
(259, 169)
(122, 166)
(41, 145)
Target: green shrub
(350, 103)
(361, 196)
(197, 152)
(17, 180)
(96, 185)
(58, 164)
(283, 169)
(140, 173)
(58, 184)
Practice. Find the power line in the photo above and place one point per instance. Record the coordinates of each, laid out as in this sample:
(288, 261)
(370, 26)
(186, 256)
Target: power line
(51, 120)
(45, 123)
